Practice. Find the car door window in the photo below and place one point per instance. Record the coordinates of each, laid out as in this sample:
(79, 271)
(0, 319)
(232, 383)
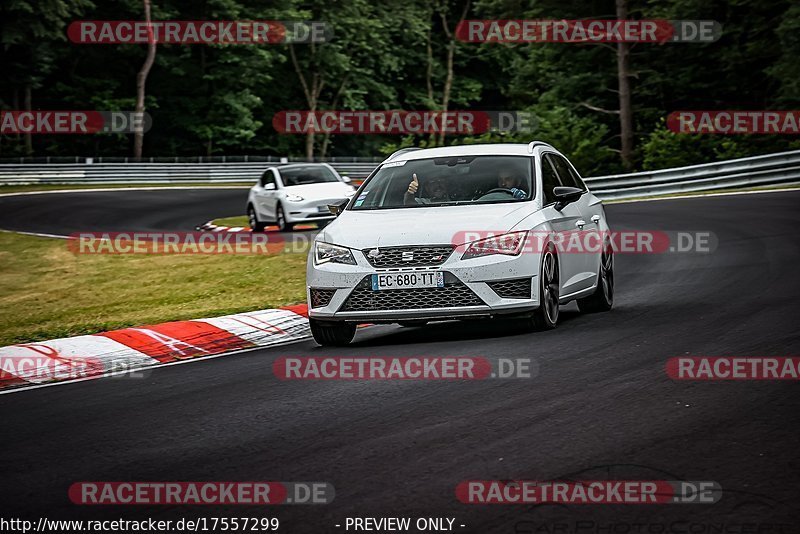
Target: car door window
(576, 178)
(267, 178)
(566, 173)
(549, 181)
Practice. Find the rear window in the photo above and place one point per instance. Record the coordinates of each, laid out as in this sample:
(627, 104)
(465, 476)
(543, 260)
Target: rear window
(307, 175)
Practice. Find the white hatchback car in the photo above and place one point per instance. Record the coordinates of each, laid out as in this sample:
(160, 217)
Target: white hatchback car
(460, 232)
(298, 193)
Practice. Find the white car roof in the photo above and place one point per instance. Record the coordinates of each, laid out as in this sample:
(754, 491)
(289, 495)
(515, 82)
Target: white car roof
(496, 149)
(294, 165)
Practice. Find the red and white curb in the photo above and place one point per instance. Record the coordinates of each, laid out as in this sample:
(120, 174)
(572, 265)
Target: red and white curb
(129, 349)
(211, 227)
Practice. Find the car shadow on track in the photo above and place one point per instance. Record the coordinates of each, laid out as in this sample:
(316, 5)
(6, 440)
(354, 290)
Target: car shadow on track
(459, 331)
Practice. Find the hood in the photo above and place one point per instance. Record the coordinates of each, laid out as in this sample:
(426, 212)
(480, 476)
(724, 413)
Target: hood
(320, 190)
(422, 226)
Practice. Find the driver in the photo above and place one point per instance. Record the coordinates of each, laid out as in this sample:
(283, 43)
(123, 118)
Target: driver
(435, 189)
(507, 180)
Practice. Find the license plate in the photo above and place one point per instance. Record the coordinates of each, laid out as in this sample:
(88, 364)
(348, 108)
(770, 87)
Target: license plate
(384, 281)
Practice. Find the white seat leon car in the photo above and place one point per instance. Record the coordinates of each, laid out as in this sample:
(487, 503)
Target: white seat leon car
(298, 193)
(461, 232)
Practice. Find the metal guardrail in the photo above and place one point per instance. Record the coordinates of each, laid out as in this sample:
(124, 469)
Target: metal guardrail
(35, 160)
(154, 173)
(772, 169)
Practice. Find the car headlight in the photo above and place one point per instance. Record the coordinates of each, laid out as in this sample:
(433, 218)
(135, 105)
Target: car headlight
(507, 244)
(327, 253)
(294, 198)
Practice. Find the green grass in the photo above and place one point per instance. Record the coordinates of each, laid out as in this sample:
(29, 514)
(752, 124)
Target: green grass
(46, 291)
(69, 187)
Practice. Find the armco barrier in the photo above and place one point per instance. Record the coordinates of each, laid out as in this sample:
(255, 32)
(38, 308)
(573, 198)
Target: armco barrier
(154, 173)
(773, 169)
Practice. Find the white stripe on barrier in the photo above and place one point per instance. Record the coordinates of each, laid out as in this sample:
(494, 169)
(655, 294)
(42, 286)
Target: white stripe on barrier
(264, 328)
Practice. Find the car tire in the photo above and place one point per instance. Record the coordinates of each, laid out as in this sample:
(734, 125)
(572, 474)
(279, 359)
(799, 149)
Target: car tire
(545, 317)
(413, 323)
(603, 297)
(252, 218)
(332, 334)
(280, 220)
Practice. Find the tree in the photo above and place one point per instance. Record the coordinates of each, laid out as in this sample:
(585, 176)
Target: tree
(357, 67)
(220, 99)
(625, 106)
(141, 80)
(442, 9)
(32, 34)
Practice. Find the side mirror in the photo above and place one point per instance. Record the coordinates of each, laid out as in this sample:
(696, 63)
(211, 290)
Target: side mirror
(339, 207)
(346, 179)
(270, 186)
(565, 195)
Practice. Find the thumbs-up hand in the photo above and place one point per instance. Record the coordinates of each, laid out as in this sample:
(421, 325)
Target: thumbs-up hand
(414, 185)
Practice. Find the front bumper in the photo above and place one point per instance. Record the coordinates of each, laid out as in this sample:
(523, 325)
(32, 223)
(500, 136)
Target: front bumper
(309, 210)
(345, 284)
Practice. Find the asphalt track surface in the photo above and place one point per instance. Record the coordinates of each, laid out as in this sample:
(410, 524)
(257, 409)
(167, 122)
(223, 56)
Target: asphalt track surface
(600, 407)
(119, 211)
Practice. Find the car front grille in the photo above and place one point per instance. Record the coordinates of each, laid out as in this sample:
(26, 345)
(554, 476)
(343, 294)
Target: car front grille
(453, 295)
(321, 297)
(519, 288)
(409, 256)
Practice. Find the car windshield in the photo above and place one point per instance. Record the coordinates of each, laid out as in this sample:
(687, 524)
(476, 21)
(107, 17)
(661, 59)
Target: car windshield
(307, 175)
(448, 181)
